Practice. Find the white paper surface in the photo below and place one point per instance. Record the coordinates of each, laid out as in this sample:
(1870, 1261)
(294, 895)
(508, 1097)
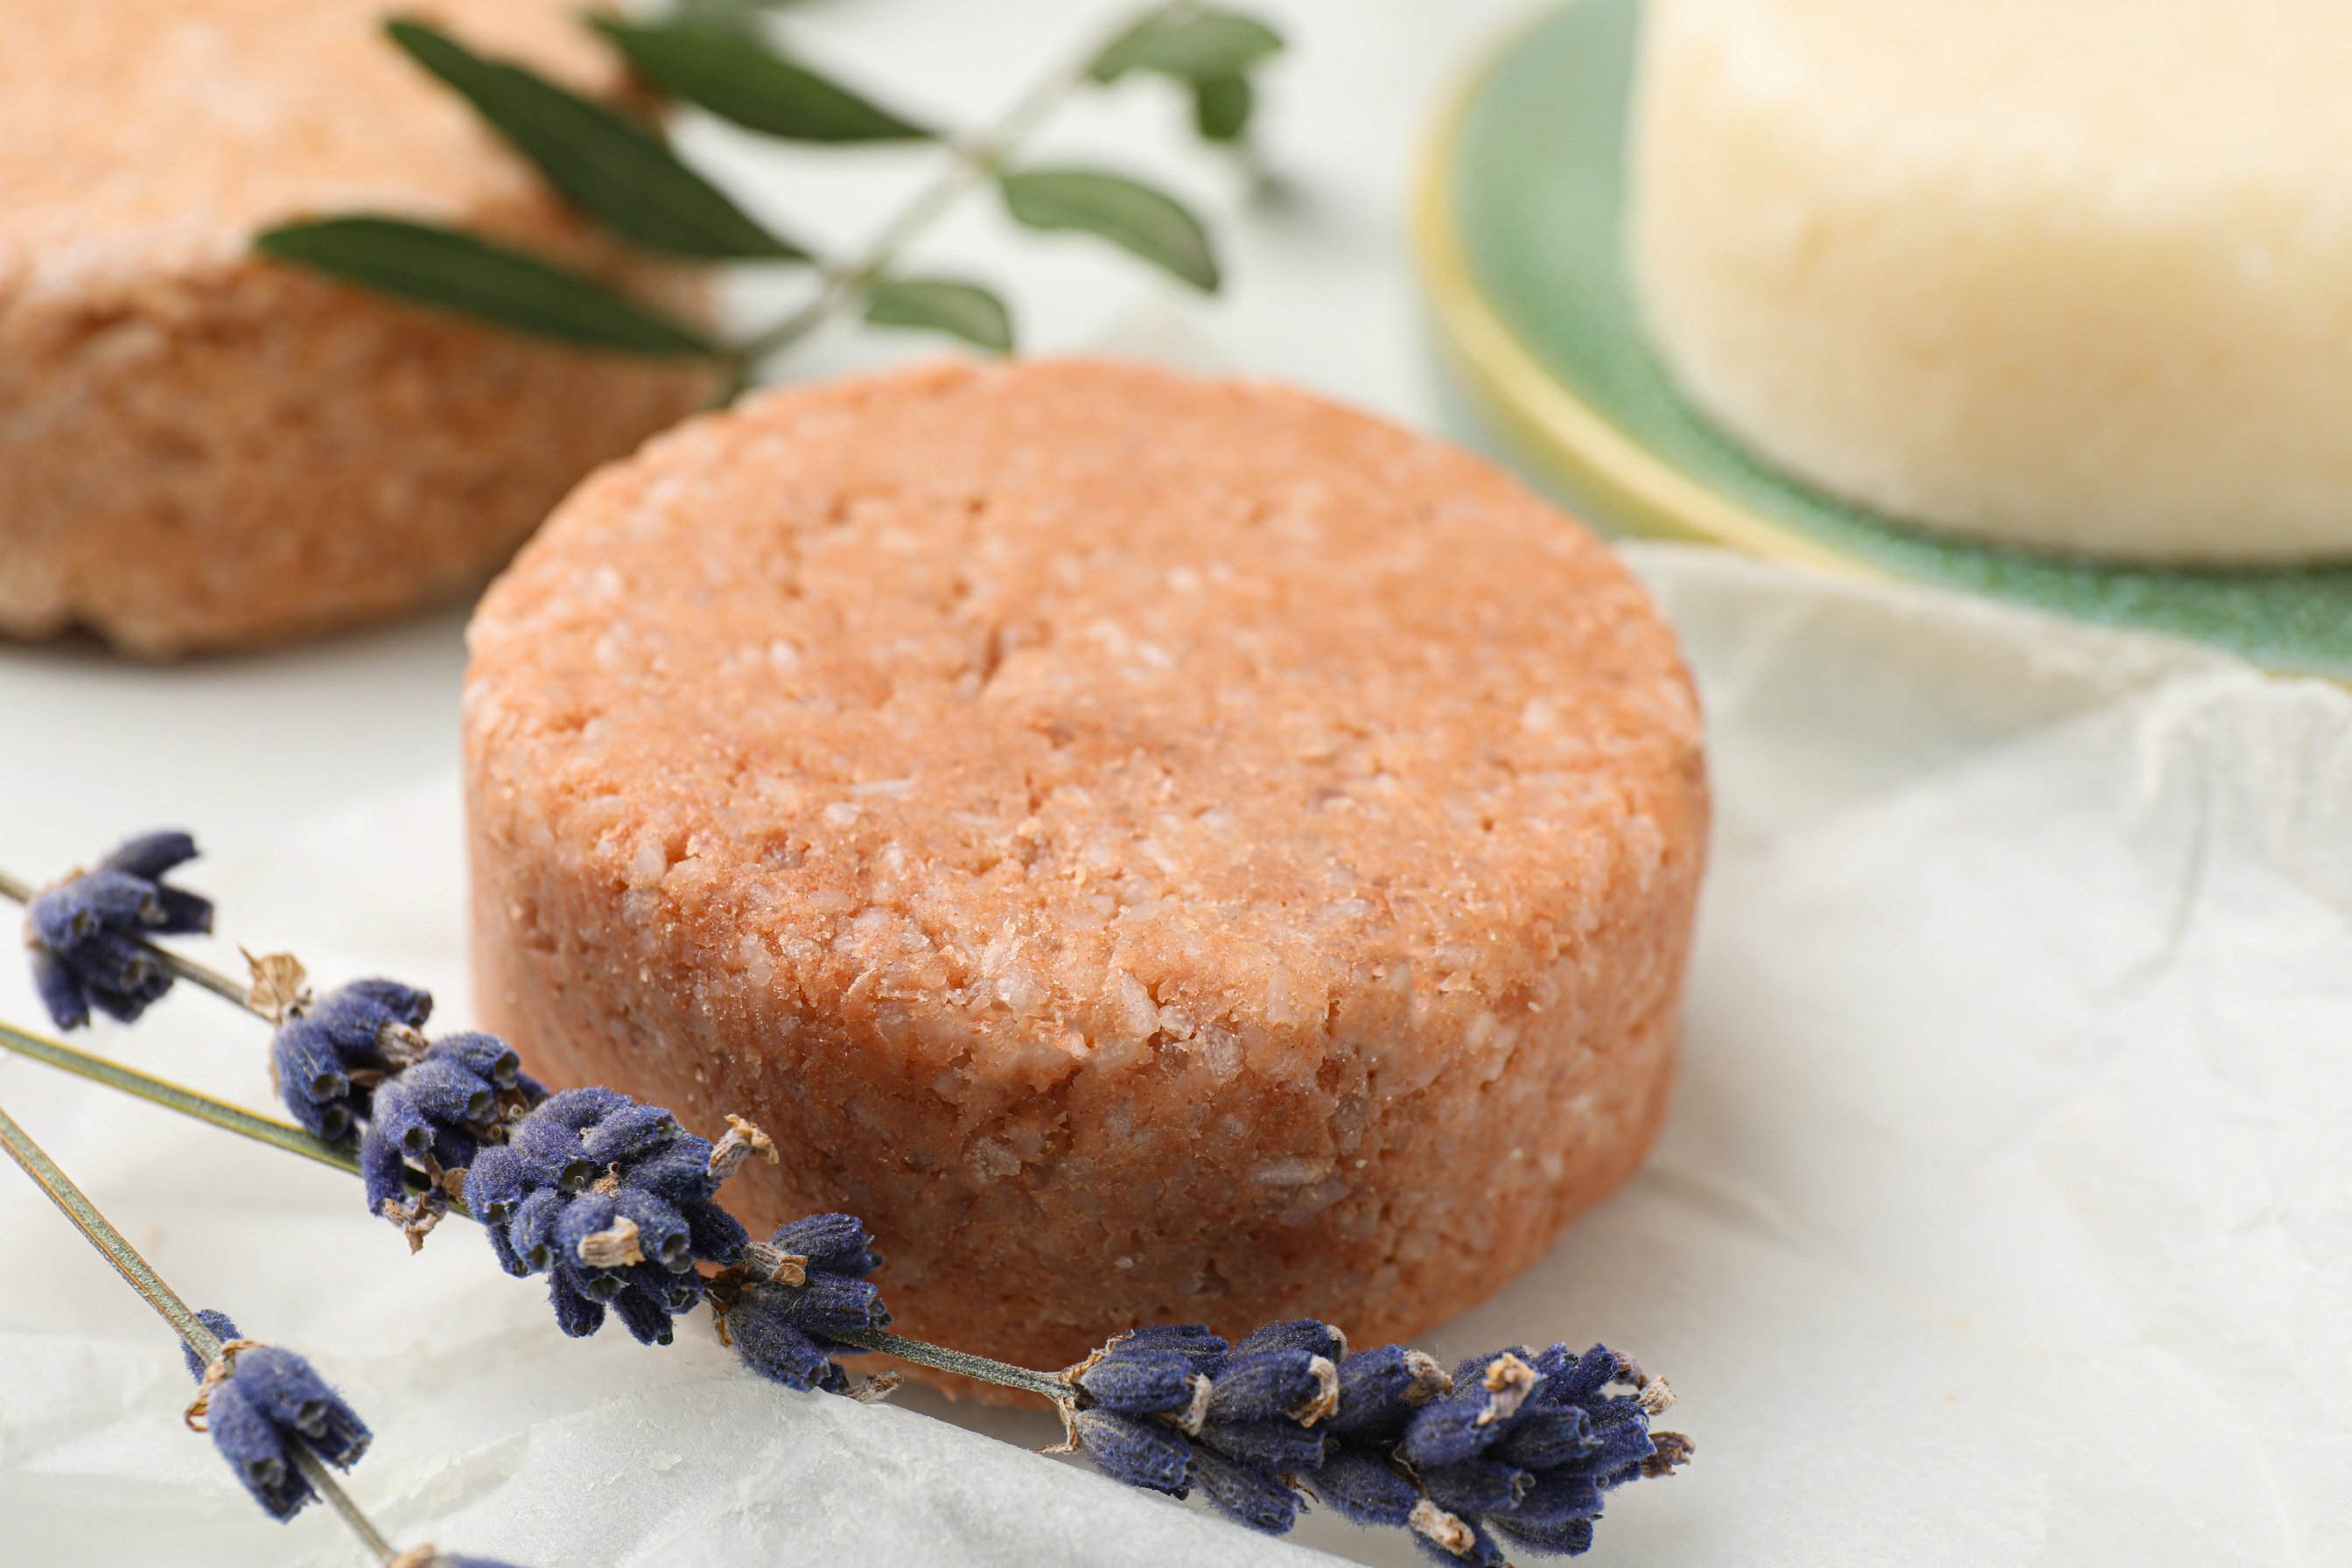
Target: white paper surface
(2005, 1215)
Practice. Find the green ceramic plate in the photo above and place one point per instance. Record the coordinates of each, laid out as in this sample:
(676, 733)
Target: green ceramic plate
(1523, 194)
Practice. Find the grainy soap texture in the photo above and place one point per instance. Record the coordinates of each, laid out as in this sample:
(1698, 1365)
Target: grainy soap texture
(1155, 848)
(201, 449)
(2076, 276)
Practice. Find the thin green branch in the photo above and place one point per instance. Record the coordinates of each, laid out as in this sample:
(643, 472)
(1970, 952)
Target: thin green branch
(970, 160)
(287, 1136)
(117, 1250)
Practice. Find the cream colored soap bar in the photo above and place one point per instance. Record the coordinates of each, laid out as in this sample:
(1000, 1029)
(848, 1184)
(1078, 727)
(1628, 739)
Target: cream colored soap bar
(2069, 273)
(200, 450)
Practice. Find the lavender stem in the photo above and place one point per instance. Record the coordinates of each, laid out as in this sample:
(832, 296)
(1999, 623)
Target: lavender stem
(285, 1135)
(117, 1250)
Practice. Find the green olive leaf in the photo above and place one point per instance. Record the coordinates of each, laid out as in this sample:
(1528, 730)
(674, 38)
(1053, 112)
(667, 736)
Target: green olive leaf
(737, 17)
(449, 270)
(606, 163)
(740, 79)
(1199, 46)
(1221, 106)
(1152, 226)
(965, 310)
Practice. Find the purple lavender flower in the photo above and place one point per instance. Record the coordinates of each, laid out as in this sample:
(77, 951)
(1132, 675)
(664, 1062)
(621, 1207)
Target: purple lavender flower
(1174, 1408)
(781, 1306)
(438, 1113)
(1513, 1448)
(1521, 1451)
(609, 1199)
(354, 1063)
(329, 1056)
(88, 934)
(263, 1401)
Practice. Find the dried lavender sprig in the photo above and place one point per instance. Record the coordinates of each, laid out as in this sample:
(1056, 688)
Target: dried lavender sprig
(285, 1135)
(1174, 1408)
(19, 892)
(1239, 1425)
(193, 1330)
(88, 934)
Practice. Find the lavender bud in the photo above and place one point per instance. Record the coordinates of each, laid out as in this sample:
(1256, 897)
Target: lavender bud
(776, 1350)
(1553, 1502)
(1245, 1493)
(1380, 1390)
(551, 1150)
(645, 1314)
(1136, 1450)
(588, 1214)
(782, 1330)
(1476, 1486)
(662, 1233)
(87, 932)
(678, 1172)
(383, 1168)
(714, 1234)
(1193, 1341)
(445, 1093)
(254, 1449)
(1142, 1383)
(486, 1057)
(1619, 1448)
(60, 992)
(833, 1243)
(263, 1399)
(1274, 1445)
(1302, 1334)
(95, 902)
(1565, 1538)
(294, 1395)
(150, 855)
(403, 1004)
(223, 1329)
(1545, 1439)
(1363, 1488)
(309, 1068)
(629, 1132)
(827, 1304)
(575, 1314)
(1266, 1385)
(532, 1232)
(495, 1184)
(398, 1119)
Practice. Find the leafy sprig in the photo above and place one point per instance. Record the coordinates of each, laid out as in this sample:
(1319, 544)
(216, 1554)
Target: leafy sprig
(620, 171)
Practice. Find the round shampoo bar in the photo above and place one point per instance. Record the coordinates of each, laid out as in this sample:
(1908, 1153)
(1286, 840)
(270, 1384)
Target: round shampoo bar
(2076, 276)
(201, 449)
(1155, 849)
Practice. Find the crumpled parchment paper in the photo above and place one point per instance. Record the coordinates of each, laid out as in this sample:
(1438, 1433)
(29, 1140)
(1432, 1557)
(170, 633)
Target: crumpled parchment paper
(2005, 1215)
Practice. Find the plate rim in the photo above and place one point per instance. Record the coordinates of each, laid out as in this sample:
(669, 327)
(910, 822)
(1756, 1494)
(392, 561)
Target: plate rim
(1575, 437)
